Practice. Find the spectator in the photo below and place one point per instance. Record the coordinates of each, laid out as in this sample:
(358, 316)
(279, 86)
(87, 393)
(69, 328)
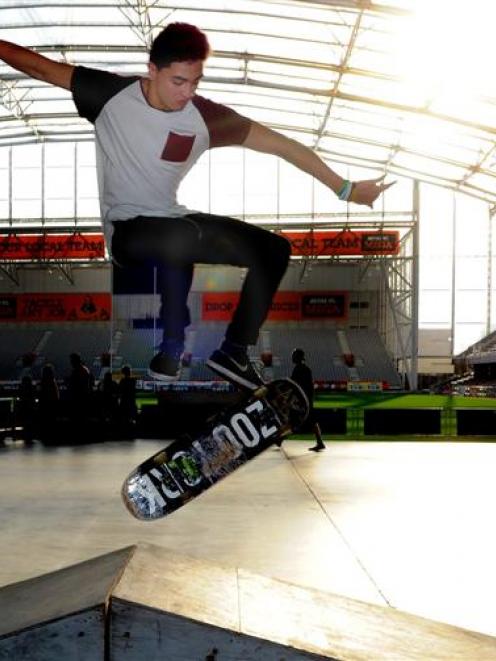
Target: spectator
(79, 389)
(302, 375)
(79, 379)
(109, 393)
(26, 408)
(27, 363)
(128, 410)
(48, 403)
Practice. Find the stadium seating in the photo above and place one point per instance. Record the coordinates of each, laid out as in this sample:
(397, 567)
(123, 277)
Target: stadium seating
(38, 346)
(14, 344)
(371, 359)
(325, 349)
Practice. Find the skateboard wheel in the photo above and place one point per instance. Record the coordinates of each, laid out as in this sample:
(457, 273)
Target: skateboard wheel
(261, 392)
(160, 458)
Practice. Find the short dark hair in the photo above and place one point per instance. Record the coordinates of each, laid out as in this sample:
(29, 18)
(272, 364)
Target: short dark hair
(298, 355)
(179, 42)
(75, 358)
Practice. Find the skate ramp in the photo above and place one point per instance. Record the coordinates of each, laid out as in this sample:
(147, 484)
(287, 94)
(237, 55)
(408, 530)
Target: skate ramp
(148, 602)
(61, 615)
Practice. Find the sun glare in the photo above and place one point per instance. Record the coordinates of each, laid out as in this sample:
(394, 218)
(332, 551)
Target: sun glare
(443, 49)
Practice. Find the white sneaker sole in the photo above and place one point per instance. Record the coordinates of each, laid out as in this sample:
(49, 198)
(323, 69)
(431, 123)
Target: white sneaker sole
(232, 376)
(166, 378)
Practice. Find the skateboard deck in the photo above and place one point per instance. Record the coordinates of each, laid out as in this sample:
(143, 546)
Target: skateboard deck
(192, 464)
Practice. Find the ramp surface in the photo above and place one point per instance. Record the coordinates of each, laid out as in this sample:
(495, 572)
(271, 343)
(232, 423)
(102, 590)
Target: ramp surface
(166, 603)
(61, 615)
(148, 602)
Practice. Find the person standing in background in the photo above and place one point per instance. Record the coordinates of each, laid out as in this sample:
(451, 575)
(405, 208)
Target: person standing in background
(302, 375)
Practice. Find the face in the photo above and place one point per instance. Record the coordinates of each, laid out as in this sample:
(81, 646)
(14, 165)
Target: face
(170, 88)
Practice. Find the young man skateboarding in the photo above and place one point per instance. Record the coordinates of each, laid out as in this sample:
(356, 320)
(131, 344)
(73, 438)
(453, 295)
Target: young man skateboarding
(149, 133)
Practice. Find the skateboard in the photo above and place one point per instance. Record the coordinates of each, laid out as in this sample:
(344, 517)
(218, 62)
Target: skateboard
(191, 464)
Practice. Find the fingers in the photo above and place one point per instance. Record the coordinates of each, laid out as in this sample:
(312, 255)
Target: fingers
(378, 183)
(386, 186)
(380, 187)
(367, 191)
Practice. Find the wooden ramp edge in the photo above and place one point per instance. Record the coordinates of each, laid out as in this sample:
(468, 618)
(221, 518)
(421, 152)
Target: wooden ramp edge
(210, 598)
(149, 602)
(61, 615)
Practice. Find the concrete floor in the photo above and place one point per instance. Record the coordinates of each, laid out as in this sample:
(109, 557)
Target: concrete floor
(410, 525)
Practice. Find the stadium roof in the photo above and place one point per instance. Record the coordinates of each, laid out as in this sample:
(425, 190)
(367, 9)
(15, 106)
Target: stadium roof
(397, 86)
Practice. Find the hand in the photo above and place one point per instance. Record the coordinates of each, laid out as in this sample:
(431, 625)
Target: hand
(367, 191)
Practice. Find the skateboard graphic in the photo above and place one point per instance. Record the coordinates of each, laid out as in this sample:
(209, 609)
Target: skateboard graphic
(230, 438)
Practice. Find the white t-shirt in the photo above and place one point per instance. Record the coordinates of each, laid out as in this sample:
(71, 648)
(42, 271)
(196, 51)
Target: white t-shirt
(144, 153)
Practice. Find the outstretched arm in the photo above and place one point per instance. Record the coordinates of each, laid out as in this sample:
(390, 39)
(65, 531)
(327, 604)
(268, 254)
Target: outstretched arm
(35, 65)
(260, 138)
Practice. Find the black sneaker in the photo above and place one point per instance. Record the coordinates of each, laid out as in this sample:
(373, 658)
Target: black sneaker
(317, 448)
(238, 370)
(164, 367)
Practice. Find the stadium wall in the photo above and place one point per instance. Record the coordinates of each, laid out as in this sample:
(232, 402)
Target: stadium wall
(51, 279)
(363, 298)
(315, 275)
(435, 348)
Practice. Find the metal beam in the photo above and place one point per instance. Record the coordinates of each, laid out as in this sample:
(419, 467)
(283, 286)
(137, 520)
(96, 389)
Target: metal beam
(337, 82)
(10, 270)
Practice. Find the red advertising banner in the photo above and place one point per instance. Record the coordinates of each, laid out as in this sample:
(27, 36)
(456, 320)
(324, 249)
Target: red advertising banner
(55, 307)
(286, 306)
(346, 242)
(92, 245)
(18, 247)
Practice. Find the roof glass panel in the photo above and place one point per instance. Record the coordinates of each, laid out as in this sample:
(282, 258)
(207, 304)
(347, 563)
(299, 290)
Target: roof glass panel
(386, 84)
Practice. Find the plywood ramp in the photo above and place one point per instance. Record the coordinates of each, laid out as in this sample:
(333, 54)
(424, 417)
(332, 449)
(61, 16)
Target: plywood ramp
(60, 616)
(161, 605)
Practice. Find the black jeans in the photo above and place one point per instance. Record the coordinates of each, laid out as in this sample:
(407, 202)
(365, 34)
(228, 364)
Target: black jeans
(177, 244)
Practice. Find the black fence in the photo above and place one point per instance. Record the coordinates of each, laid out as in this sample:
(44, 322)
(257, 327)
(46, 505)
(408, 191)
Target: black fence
(399, 422)
(476, 422)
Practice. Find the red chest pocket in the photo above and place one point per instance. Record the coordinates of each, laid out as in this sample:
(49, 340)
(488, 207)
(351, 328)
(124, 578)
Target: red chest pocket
(177, 147)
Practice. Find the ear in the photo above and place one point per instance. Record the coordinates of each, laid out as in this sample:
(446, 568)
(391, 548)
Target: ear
(152, 70)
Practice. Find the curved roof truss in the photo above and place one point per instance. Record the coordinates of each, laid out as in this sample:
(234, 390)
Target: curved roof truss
(340, 76)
